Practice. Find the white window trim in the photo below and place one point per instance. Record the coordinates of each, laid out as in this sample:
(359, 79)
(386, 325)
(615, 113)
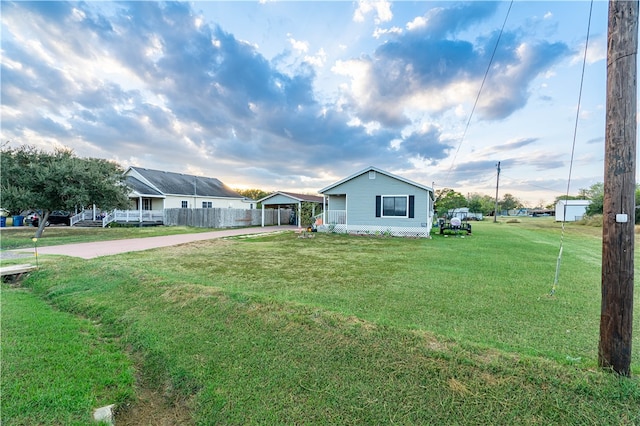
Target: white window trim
(394, 196)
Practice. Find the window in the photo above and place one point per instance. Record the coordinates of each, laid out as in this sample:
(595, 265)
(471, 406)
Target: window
(185, 204)
(206, 204)
(146, 204)
(394, 206)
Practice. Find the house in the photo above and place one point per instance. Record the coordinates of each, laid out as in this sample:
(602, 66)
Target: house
(374, 201)
(292, 201)
(153, 191)
(571, 210)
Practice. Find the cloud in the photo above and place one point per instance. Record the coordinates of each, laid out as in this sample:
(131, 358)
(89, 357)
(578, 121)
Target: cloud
(300, 46)
(427, 144)
(381, 10)
(514, 144)
(379, 32)
(442, 21)
(155, 82)
(426, 70)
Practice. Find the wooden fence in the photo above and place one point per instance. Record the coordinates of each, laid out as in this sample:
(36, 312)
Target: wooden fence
(224, 218)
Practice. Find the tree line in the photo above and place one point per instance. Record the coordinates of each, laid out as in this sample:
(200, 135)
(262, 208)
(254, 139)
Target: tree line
(448, 199)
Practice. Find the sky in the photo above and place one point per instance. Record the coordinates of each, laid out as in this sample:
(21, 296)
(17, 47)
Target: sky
(297, 95)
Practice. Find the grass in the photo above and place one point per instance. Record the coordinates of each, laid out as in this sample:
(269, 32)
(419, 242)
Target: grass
(361, 330)
(57, 368)
(20, 237)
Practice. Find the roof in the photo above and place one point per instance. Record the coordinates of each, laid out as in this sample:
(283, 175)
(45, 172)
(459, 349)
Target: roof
(141, 188)
(180, 184)
(294, 197)
(575, 202)
(377, 170)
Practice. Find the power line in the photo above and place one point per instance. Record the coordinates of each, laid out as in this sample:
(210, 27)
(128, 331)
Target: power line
(484, 79)
(573, 148)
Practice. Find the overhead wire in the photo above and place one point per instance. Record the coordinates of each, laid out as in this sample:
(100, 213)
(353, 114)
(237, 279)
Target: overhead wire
(573, 148)
(484, 79)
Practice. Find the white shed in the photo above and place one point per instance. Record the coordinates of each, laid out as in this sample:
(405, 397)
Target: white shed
(571, 210)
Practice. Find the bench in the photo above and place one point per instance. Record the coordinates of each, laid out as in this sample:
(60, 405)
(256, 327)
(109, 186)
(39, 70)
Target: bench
(14, 272)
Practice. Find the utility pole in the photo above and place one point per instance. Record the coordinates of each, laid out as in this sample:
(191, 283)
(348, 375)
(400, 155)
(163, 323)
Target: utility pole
(495, 215)
(616, 317)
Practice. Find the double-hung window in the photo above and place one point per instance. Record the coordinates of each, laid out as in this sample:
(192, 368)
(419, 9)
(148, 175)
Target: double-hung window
(184, 204)
(207, 204)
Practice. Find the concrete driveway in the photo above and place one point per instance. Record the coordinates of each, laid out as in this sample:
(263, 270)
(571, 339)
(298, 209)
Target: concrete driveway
(107, 248)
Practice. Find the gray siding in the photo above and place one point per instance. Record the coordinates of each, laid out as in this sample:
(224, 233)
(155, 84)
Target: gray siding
(338, 202)
(361, 194)
(280, 199)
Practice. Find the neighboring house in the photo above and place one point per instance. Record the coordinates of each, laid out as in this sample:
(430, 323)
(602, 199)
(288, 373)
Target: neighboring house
(155, 190)
(290, 200)
(374, 201)
(571, 210)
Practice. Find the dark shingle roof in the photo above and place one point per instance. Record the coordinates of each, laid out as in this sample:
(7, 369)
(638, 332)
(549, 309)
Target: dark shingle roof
(182, 184)
(141, 187)
(304, 197)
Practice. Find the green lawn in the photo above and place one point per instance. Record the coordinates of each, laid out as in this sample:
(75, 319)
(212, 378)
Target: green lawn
(361, 330)
(20, 237)
(57, 368)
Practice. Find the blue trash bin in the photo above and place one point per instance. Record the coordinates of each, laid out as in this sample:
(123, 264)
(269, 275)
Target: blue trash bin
(3, 221)
(18, 220)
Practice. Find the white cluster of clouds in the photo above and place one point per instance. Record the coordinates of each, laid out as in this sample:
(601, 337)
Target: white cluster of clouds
(157, 85)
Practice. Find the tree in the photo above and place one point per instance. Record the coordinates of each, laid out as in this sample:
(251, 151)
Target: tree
(307, 209)
(479, 203)
(253, 194)
(566, 197)
(509, 202)
(595, 193)
(447, 199)
(38, 180)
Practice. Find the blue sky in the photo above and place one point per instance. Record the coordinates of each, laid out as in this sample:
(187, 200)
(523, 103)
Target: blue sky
(293, 96)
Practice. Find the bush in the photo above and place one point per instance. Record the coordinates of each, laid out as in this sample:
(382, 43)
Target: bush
(593, 220)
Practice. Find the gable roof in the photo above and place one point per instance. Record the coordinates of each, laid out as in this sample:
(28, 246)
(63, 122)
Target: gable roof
(377, 170)
(294, 197)
(169, 183)
(141, 188)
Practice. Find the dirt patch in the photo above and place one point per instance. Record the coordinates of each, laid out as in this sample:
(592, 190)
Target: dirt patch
(153, 408)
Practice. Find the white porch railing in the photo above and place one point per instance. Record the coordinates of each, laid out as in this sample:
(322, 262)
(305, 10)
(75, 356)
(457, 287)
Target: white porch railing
(136, 216)
(336, 217)
(83, 215)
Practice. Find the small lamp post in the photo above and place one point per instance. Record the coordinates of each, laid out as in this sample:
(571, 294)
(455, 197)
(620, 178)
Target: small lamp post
(35, 247)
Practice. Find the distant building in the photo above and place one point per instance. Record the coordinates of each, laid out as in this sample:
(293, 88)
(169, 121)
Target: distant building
(463, 213)
(571, 210)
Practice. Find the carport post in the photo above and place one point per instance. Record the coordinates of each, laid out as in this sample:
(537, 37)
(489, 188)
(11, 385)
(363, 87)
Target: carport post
(263, 215)
(325, 207)
(299, 212)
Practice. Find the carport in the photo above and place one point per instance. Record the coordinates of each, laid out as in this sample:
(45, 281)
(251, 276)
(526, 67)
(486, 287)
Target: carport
(281, 199)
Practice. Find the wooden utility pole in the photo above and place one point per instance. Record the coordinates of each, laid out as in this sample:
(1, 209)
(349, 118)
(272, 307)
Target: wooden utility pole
(495, 215)
(616, 316)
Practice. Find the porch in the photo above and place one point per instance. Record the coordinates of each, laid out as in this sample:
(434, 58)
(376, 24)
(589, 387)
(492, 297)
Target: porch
(151, 217)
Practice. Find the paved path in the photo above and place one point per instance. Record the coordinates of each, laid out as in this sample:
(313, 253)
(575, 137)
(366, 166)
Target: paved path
(107, 248)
